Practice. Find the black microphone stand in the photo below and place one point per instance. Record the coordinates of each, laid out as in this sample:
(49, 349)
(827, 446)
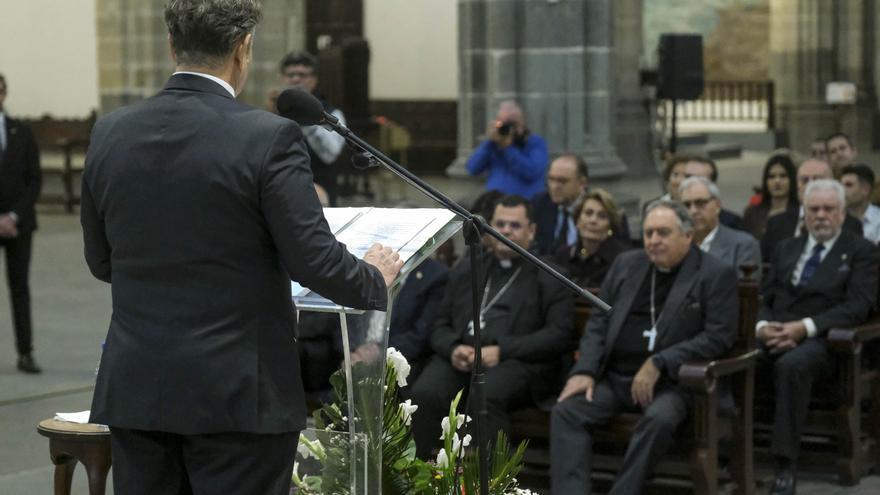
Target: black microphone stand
(474, 228)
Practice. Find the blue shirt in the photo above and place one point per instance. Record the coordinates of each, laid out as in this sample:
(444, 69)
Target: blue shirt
(512, 170)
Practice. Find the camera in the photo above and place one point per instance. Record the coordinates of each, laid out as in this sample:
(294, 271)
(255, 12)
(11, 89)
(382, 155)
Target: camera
(504, 128)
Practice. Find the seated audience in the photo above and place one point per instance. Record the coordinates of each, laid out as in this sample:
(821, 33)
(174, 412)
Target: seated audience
(587, 260)
(778, 194)
(858, 183)
(825, 279)
(841, 152)
(514, 158)
(702, 199)
(672, 303)
(567, 181)
(527, 322)
(791, 222)
(701, 166)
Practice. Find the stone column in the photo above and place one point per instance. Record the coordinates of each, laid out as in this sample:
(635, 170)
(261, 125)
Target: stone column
(812, 43)
(134, 60)
(556, 59)
(633, 137)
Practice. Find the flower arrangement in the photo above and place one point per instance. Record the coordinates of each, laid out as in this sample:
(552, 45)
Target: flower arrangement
(453, 472)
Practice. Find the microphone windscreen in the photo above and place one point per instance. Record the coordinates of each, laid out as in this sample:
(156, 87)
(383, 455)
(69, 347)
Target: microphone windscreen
(300, 106)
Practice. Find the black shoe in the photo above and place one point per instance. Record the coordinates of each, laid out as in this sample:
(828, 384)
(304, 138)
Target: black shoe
(26, 364)
(785, 482)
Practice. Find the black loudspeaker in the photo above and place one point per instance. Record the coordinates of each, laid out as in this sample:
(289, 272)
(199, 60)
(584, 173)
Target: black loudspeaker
(680, 72)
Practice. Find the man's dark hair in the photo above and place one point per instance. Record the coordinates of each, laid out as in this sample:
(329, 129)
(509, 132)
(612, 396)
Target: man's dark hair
(862, 171)
(3, 81)
(204, 32)
(579, 163)
(514, 200)
(839, 135)
(299, 58)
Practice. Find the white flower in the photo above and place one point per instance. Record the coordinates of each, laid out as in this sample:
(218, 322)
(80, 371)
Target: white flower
(442, 459)
(467, 440)
(444, 425)
(456, 442)
(303, 450)
(406, 409)
(400, 364)
(462, 419)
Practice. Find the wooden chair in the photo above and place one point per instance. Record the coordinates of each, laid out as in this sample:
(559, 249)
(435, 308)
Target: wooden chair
(842, 432)
(698, 438)
(70, 443)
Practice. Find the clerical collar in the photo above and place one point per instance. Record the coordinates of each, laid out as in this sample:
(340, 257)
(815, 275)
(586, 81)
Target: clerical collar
(221, 82)
(667, 271)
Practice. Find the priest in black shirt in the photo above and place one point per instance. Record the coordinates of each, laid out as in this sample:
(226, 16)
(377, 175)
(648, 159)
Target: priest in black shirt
(527, 325)
(672, 303)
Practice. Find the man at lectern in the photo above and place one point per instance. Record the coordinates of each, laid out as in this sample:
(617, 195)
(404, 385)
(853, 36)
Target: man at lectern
(199, 210)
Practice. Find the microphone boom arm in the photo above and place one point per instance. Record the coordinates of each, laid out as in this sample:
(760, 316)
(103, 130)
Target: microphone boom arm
(442, 199)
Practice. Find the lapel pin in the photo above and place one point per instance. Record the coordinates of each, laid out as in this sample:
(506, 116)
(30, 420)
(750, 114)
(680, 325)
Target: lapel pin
(843, 257)
(419, 275)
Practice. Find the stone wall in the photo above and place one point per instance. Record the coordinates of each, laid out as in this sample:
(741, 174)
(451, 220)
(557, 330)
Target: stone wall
(134, 60)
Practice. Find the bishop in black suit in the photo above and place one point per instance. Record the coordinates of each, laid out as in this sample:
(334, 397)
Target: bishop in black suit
(825, 279)
(629, 358)
(20, 181)
(199, 210)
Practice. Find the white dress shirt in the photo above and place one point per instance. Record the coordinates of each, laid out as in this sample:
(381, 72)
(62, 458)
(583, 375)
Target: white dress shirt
(216, 79)
(796, 276)
(707, 241)
(871, 224)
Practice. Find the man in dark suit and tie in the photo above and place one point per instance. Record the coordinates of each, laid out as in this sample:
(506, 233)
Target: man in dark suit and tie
(825, 279)
(672, 303)
(20, 181)
(199, 210)
(567, 179)
(790, 223)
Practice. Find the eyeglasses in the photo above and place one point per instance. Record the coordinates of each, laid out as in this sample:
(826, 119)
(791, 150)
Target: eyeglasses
(698, 203)
(500, 224)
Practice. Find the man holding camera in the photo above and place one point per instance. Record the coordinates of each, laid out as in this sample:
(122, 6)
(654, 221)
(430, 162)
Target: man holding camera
(516, 160)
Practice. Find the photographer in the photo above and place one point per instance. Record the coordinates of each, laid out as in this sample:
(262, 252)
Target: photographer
(515, 159)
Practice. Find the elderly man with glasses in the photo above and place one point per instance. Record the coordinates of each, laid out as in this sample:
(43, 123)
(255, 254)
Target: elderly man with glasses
(703, 200)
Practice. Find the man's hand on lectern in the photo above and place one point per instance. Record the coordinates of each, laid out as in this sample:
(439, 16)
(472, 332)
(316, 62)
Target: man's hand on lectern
(387, 261)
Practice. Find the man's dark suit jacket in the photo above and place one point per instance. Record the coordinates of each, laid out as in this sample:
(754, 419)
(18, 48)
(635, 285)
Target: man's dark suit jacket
(540, 322)
(781, 227)
(698, 321)
(20, 175)
(841, 293)
(199, 210)
(415, 309)
(546, 216)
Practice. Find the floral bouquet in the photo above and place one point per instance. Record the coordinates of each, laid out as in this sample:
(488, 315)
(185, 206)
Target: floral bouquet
(454, 472)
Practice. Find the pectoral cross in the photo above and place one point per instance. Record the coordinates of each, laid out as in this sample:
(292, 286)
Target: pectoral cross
(651, 335)
(471, 325)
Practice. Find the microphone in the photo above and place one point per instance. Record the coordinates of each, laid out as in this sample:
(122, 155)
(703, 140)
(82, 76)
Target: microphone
(298, 105)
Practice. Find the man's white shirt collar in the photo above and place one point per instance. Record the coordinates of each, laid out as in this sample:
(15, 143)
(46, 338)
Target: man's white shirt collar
(216, 79)
(707, 241)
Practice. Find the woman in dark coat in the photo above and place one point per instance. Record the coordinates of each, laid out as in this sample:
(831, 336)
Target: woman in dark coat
(778, 193)
(597, 217)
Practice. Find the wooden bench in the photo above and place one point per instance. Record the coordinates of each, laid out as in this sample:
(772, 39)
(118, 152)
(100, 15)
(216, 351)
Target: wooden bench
(697, 439)
(62, 144)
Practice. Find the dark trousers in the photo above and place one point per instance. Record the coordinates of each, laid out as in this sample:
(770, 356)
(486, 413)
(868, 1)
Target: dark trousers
(18, 261)
(793, 374)
(571, 441)
(160, 463)
(507, 388)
